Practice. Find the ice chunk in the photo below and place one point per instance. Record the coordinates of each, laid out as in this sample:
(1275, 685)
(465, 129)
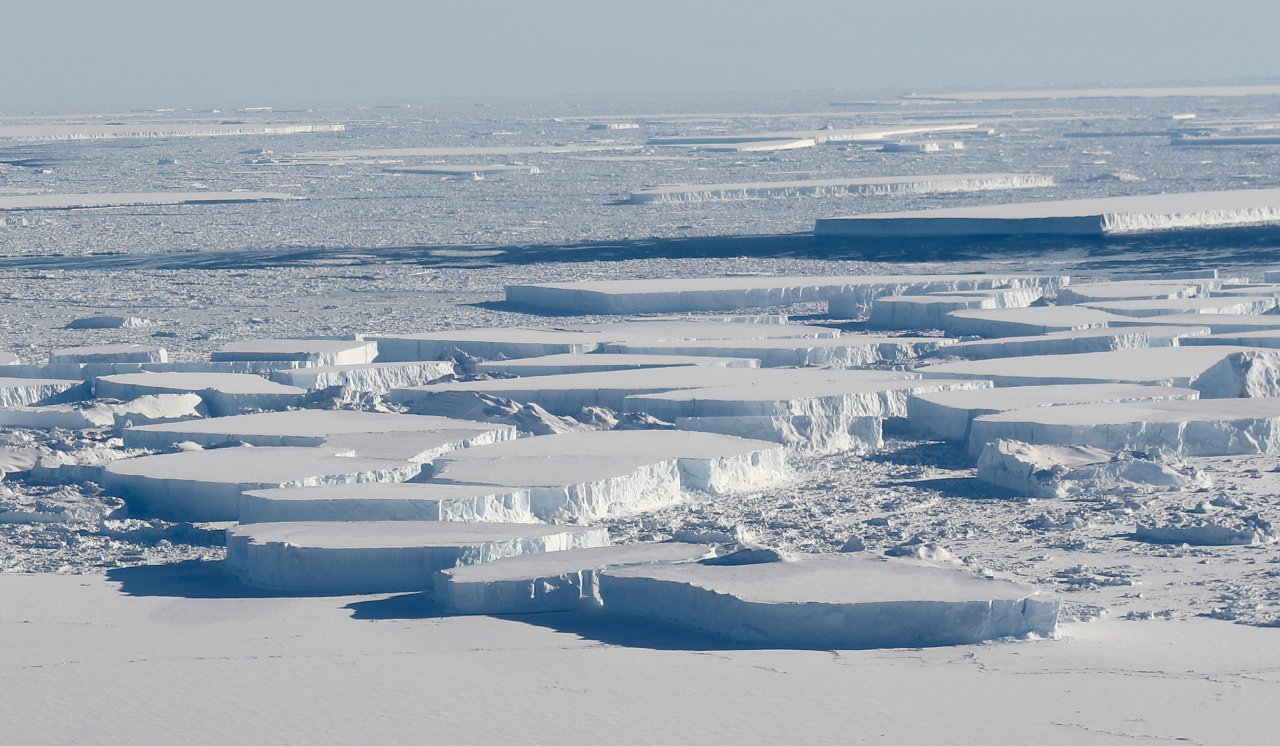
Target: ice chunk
(948, 415)
(1053, 471)
(1213, 531)
(120, 353)
(845, 351)
(25, 392)
(1080, 217)
(1021, 322)
(549, 581)
(1179, 306)
(224, 393)
(589, 475)
(1247, 372)
(849, 296)
(206, 485)
(1135, 290)
(943, 183)
(387, 501)
(1195, 427)
(929, 311)
(485, 344)
(1216, 323)
(378, 378)
(1076, 342)
(831, 602)
(466, 169)
(930, 146)
(382, 556)
(108, 322)
(319, 352)
(413, 438)
(141, 411)
(592, 362)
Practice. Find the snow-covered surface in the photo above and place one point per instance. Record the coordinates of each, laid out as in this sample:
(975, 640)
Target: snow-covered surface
(465, 169)
(832, 602)
(548, 581)
(1019, 322)
(25, 392)
(1182, 306)
(224, 393)
(1134, 290)
(144, 410)
(374, 556)
(845, 351)
(942, 183)
(915, 312)
(386, 501)
(1087, 217)
(318, 352)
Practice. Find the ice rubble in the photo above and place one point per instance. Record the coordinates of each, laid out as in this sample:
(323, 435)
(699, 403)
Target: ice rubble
(548, 581)
(205, 485)
(1054, 471)
(1195, 427)
(928, 184)
(26, 392)
(317, 352)
(1081, 217)
(848, 296)
(595, 362)
(1022, 322)
(381, 556)
(224, 393)
(948, 415)
(412, 438)
(387, 501)
(115, 353)
(1215, 371)
(590, 475)
(1078, 341)
(378, 378)
(845, 351)
(131, 199)
(831, 602)
(144, 410)
(930, 311)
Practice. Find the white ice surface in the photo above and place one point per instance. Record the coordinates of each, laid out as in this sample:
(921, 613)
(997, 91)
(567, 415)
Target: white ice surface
(549, 581)
(845, 351)
(593, 362)
(154, 130)
(1020, 322)
(373, 556)
(832, 602)
(1059, 471)
(1153, 309)
(26, 392)
(930, 311)
(112, 353)
(1076, 341)
(378, 378)
(144, 410)
(1134, 290)
(130, 199)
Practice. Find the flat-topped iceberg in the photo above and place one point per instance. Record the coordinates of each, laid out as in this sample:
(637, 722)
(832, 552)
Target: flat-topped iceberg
(224, 393)
(319, 352)
(1054, 471)
(387, 501)
(864, 185)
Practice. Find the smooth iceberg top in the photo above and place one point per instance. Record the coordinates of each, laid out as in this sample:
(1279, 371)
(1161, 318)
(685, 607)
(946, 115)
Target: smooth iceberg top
(393, 534)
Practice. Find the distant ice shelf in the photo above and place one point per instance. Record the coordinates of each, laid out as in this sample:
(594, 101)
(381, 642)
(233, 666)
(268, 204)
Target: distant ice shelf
(1081, 217)
(693, 193)
(154, 130)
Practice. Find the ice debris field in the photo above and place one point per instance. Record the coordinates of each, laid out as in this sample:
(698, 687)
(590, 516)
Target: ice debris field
(969, 404)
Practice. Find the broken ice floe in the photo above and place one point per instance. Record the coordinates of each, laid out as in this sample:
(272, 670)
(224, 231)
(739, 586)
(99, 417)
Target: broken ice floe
(943, 183)
(387, 501)
(595, 362)
(224, 393)
(116, 353)
(317, 352)
(831, 602)
(1052, 471)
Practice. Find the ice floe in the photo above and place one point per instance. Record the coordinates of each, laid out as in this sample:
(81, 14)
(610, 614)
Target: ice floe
(317, 352)
(694, 193)
(387, 501)
(1054, 471)
(224, 393)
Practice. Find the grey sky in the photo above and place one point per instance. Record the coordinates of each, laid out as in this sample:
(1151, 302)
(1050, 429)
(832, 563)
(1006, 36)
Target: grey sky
(96, 54)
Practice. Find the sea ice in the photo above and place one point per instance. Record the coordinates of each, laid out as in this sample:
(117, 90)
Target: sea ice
(874, 185)
(317, 352)
(378, 378)
(845, 351)
(27, 392)
(224, 393)
(930, 311)
(1180, 306)
(1076, 341)
(1054, 471)
(116, 353)
(130, 199)
(1022, 322)
(387, 501)
(595, 362)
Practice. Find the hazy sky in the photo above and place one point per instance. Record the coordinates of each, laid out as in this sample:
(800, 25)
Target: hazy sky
(102, 54)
